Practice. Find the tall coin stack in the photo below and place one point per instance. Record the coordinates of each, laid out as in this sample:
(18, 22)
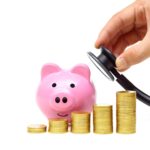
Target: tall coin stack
(102, 119)
(126, 112)
(58, 125)
(80, 122)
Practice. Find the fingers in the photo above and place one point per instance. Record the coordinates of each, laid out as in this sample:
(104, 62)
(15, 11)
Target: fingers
(133, 55)
(124, 29)
(122, 23)
(126, 40)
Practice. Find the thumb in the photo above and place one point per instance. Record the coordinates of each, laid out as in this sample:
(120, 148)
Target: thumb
(133, 55)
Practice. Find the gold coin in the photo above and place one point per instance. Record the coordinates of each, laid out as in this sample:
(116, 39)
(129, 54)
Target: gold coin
(36, 128)
(80, 122)
(102, 119)
(126, 112)
(58, 125)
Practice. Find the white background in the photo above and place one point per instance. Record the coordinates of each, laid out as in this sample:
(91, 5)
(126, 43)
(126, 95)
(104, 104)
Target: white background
(34, 32)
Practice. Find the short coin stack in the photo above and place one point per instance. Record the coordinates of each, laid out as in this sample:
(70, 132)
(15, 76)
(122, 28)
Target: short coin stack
(126, 111)
(80, 122)
(58, 126)
(102, 119)
(36, 128)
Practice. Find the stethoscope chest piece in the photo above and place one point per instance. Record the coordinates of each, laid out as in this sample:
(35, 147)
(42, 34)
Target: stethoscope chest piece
(105, 62)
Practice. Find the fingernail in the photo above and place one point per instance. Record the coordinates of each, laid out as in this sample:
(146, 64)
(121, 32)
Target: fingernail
(96, 45)
(121, 63)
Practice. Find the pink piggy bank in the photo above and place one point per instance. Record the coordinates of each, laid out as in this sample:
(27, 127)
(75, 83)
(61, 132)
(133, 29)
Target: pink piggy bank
(61, 91)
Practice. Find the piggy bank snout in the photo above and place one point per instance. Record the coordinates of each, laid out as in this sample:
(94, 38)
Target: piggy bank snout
(59, 100)
(62, 102)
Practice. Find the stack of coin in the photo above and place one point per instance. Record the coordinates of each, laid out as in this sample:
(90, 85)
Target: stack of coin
(102, 119)
(58, 125)
(80, 122)
(36, 128)
(126, 111)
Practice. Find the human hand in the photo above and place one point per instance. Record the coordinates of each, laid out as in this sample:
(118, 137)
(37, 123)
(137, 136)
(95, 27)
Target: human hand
(129, 26)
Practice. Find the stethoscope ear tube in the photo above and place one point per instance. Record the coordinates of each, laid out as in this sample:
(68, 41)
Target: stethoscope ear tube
(126, 84)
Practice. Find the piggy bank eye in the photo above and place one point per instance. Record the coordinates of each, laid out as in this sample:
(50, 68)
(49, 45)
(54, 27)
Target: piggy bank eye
(54, 84)
(72, 85)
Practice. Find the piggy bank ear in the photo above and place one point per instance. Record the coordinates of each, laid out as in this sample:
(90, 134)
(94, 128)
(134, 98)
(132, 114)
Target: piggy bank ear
(82, 70)
(48, 69)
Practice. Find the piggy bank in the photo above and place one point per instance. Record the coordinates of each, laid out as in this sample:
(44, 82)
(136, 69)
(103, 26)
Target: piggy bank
(62, 91)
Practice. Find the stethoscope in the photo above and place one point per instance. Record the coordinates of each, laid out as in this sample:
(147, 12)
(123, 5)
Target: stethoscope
(105, 62)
